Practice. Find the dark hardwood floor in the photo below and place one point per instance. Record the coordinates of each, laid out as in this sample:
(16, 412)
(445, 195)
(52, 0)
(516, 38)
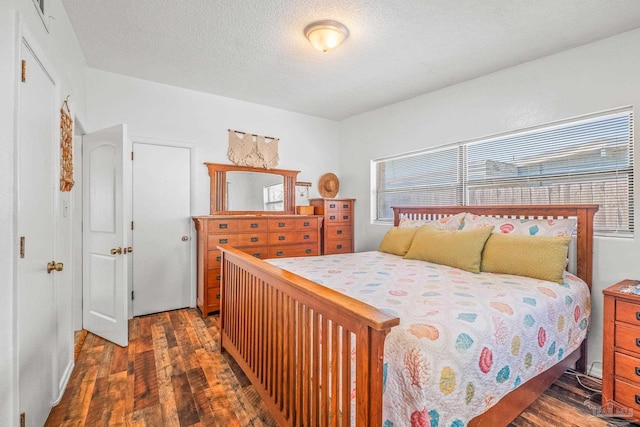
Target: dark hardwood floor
(172, 374)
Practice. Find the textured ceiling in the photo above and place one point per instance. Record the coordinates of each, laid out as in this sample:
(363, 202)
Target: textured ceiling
(256, 51)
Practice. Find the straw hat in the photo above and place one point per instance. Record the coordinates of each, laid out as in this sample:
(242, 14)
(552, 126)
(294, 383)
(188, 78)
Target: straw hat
(328, 185)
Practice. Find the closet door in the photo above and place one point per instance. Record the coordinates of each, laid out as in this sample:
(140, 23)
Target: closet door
(162, 227)
(36, 311)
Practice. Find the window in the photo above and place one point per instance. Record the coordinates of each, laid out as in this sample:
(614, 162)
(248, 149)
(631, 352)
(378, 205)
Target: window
(274, 197)
(583, 161)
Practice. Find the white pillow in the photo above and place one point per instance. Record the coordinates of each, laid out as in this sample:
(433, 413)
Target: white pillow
(453, 222)
(522, 226)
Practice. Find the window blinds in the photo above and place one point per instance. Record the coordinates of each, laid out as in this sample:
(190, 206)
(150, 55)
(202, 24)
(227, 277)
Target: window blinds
(583, 161)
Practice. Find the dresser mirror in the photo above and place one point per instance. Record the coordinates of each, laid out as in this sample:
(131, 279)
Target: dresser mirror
(247, 190)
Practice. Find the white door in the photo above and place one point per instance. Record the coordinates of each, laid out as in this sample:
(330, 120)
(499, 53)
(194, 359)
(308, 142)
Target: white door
(162, 224)
(106, 188)
(37, 346)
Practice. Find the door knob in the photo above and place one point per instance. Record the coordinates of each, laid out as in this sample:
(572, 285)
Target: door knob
(57, 266)
(129, 249)
(185, 238)
(115, 251)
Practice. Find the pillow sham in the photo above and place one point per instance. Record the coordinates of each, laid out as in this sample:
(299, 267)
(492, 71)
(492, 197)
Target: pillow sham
(540, 257)
(522, 226)
(453, 222)
(397, 241)
(455, 248)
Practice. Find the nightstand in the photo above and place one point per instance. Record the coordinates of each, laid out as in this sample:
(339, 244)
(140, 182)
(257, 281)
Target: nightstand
(621, 350)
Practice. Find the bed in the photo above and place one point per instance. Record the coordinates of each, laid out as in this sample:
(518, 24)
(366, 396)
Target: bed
(317, 355)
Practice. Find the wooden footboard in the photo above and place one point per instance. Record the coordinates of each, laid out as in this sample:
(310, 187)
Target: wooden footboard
(299, 342)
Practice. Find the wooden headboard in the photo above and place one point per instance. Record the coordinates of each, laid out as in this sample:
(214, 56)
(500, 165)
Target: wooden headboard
(583, 213)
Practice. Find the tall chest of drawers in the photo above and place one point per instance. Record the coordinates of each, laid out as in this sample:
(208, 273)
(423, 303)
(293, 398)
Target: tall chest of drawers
(337, 233)
(276, 236)
(621, 351)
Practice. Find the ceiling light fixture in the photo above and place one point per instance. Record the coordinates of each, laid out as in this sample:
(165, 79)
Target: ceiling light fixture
(326, 35)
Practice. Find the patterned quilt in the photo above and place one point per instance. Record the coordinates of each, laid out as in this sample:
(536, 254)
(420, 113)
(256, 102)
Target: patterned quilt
(464, 339)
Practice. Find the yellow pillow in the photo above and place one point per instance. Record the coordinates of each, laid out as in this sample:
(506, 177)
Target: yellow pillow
(540, 257)
(397, 241)
(460, 249)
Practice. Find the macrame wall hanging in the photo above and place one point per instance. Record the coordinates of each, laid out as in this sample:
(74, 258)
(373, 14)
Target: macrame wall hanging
(66, 148)
(248, 149)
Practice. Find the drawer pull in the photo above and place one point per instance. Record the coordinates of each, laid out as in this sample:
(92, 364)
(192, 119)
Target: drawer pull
(345, 217)
(638, 371)
(223, 241)
(257, 255)
(332, 205)
(339, 247)
(306, 224)
(254, 225)
(345, 206)
(308, 250)
(222, 225)
(637, 342)
(281, 237)
(332, 217)
(281, 224)
(218, 277)
(306, 237)
(254, 239)
(217, 296)
(279, 253)
(218, 258)
(638, 316)
(637, 399)
(339, 232)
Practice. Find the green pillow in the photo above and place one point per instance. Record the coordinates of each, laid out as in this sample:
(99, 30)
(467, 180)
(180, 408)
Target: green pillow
(397, 241)
(540, 257)
(460, 249)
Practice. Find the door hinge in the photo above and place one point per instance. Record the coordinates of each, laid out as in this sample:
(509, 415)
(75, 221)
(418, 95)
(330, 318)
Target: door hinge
(132, 225)
(24, 71)
(132, 155)
(23, 422)
(21, 246)
(132, 296)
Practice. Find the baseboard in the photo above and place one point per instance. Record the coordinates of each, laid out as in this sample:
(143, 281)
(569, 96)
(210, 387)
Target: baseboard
(62, 386)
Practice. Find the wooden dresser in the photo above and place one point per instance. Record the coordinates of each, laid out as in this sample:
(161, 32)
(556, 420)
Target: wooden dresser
(337, 233)
(273, 236)
(621, 352)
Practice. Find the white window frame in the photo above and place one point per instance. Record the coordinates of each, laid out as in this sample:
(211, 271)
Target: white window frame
(465, 182)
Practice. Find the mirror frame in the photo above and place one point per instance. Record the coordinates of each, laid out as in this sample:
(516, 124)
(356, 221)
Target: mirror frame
(218, 189)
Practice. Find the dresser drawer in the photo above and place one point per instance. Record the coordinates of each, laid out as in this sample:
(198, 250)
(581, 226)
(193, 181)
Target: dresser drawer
(213, 299)
(213, 240)
(628, 312)
(258, 239)
(627, 395)
(292, 224)
(222, 225)
(213, 259)
(338, 217)
(213, 278)
(338, 247)
(627, 337)
(293, 250)
(338, 205)
(627, 367)
(309, 236)
(335, 231)
(261, 252)
(253, 225)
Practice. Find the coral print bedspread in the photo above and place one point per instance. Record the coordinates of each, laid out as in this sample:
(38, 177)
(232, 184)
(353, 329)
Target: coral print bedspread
(464, 339)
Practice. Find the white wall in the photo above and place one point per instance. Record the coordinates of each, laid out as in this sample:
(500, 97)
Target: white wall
(308, 144)
(587, 79)
(63, 52)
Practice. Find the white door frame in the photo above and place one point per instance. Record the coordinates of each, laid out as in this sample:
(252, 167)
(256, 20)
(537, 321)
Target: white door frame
(135, 139)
